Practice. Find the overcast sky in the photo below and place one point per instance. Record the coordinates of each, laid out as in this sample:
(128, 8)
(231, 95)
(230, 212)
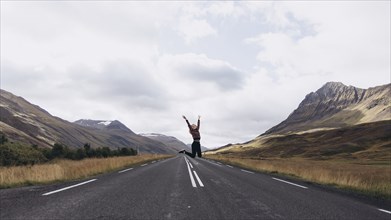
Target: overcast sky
(243, 66)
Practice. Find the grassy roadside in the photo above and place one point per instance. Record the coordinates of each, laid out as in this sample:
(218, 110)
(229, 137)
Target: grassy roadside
(366, 177)
(64, 170)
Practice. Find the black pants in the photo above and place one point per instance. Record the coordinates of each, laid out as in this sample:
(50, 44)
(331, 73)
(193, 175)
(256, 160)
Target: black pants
(196, 149)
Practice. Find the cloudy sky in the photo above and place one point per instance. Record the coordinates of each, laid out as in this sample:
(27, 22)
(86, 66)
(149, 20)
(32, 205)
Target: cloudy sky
(242, 66)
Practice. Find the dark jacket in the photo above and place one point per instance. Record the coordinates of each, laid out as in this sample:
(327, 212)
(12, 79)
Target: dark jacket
(194, 132)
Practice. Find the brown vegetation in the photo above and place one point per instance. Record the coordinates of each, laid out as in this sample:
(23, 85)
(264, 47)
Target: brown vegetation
(370, 141)
(369, 177)
(61, 170)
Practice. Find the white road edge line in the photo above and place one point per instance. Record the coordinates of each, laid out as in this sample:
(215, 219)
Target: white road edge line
(191, 176)
(383, 210)
(213, 163)
(125, 170)
(247, 171)
(229, 166)
(153, 161)
(144, 165)
(69, 187)
(290, 183)
(198, 179)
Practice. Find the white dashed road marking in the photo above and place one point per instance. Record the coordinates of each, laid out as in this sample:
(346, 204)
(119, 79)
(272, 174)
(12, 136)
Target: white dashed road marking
(290, 183)
(198, 179)
(69, 187)
(247, 171)
(125, 170)
(382, 210)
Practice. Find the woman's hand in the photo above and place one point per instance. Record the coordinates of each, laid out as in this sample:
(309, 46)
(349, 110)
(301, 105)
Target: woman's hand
(184, 117)
(199, 117)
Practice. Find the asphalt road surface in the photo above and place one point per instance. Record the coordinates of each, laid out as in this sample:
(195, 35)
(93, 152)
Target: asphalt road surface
(184, 188)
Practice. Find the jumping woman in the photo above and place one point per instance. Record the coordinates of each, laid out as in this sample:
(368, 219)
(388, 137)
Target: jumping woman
(195, 133)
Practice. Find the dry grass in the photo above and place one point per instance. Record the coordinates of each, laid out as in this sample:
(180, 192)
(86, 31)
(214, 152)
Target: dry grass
(62, 170)
(369, 178)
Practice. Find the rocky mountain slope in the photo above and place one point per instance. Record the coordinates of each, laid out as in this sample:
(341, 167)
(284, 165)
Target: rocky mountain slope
(336, 105)
(25, 122)
(103, 125)
(173, 142)
(335, 121)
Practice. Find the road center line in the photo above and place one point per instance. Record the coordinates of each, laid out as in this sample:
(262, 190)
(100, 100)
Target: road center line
(247, 171)
(198, 179)
(125, 170)
(382, 210)
(229, 166)
(188, 161)
(153, 161)
(69, 187)
(290, 183)
(191, 176)
(144, 165)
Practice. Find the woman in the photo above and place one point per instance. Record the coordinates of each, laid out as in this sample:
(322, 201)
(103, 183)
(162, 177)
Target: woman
(195, 133)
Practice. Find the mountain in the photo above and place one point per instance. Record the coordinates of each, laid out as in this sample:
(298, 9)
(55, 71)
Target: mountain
(336, 105)
(25, 122)
(369, 141)
(117, 128)
(336, 121)
(103, 125)
(170, 141)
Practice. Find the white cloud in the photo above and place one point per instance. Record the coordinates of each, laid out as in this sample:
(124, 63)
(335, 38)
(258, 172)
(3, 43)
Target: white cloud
(200, 68)
(243, 66)
(340, 48)
(225, 9)
(195, 29)
(81, 32)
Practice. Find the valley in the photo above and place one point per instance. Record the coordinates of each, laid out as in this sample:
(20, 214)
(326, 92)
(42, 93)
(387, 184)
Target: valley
(338, 136)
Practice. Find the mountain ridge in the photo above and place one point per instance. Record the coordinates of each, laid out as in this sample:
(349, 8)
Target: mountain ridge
(336, 105)
(171, 141)
(25, 122)
(351, 121)
(103, 124)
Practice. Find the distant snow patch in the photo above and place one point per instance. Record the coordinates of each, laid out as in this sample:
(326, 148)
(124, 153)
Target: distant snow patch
(150, 135)
(105, 123)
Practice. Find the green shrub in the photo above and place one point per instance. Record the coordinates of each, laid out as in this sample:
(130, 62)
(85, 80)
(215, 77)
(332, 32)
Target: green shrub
(15, 154)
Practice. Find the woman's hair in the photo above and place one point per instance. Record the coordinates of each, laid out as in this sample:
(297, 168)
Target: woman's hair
(193, 126)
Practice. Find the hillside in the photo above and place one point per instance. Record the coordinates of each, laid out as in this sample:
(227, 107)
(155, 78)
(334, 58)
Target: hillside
(173, 142)
(28, 123)
(336, 105)
(103, 125)
(336, 121)
(364, 141)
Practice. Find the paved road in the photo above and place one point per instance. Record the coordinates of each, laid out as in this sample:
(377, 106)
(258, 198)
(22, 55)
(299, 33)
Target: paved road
(184, 188)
